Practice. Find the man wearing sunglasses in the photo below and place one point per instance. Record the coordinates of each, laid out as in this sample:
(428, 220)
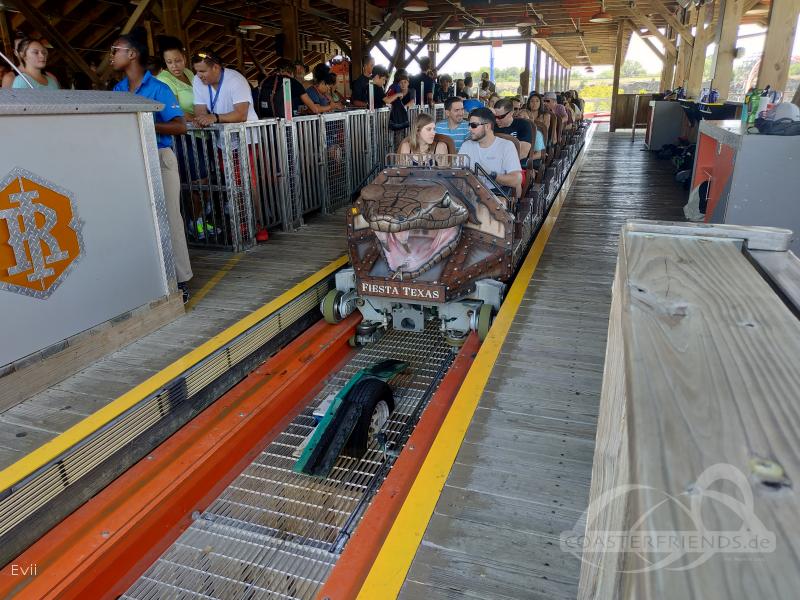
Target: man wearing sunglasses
(557, 109)
(518, 128)
(496, 156)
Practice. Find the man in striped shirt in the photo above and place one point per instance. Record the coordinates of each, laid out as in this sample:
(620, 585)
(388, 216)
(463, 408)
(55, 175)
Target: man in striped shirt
(454, 126)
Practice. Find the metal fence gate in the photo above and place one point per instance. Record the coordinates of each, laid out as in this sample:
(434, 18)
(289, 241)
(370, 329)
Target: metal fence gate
(290, 168)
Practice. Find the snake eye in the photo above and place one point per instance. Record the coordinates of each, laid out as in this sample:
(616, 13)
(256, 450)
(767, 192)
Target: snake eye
(445, 202)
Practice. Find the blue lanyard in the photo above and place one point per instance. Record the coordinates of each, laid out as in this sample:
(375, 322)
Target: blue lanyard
(213, 97)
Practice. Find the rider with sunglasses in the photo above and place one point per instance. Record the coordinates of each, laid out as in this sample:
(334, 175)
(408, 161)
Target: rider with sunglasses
(498, 157)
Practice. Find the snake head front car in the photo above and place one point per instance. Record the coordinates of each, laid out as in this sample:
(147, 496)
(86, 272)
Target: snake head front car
(416, 225)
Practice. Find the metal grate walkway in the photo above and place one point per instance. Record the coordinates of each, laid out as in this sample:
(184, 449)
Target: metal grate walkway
(274, 533)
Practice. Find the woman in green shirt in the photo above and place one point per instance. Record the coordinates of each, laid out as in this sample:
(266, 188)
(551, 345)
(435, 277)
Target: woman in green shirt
(179, 79)
(176, 75)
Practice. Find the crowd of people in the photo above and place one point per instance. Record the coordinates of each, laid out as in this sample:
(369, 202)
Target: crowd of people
(508, 137)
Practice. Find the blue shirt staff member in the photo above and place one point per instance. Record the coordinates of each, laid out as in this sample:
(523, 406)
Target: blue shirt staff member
(129, 55)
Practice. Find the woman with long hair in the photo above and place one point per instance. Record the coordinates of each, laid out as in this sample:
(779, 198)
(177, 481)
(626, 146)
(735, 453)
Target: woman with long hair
(541, 115)
(421, 138)
(129, 55)
(320, 91)
(31, 57)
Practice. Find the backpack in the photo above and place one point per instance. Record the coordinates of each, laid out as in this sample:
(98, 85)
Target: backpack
(398, 116)
(274, 109)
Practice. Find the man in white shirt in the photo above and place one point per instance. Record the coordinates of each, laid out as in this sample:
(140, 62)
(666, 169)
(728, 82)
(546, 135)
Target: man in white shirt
(496, 156)
(221, 95)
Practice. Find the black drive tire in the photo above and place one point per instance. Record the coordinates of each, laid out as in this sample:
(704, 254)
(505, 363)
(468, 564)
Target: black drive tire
(367, 393)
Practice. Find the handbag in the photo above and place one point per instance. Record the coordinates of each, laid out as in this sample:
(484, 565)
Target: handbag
(398, 116)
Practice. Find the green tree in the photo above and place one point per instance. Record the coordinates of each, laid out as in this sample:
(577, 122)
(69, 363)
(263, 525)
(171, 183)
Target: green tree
(632, 68)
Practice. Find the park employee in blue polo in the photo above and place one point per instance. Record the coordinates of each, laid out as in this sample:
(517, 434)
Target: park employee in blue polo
(129, 54)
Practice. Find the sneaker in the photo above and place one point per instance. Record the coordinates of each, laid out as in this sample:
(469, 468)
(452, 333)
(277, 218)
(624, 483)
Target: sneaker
(201, 227)
(183, 287)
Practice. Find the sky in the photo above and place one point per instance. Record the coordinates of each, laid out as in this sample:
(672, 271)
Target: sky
(473, 57)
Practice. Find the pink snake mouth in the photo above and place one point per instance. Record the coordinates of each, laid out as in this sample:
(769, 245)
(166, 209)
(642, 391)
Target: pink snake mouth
(414, 251)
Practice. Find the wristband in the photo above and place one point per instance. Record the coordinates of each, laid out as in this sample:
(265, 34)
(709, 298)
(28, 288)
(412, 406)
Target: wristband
(493, 174)
(216, 117)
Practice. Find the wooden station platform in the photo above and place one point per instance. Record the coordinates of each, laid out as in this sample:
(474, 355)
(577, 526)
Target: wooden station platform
(523, 473)
(225, 288)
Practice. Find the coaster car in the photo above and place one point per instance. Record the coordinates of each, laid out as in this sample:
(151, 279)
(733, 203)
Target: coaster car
(429, 238)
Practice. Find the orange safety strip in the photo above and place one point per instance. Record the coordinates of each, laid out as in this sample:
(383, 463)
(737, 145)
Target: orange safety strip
(355, 562)
(99, 550)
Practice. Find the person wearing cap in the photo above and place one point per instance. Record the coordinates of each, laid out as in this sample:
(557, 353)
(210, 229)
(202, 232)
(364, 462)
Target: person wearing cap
(360, 88)
(551, 103)
(221, 95)
(496, 156)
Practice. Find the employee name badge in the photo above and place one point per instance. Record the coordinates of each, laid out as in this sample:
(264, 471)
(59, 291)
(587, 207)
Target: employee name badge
(371, 96)
(287, 98)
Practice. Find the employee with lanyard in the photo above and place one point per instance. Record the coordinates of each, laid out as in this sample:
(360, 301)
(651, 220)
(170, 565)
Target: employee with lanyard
(221, 95)
(129, 55)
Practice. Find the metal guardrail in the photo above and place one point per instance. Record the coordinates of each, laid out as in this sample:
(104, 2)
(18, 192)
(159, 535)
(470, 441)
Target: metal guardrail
(291, 168)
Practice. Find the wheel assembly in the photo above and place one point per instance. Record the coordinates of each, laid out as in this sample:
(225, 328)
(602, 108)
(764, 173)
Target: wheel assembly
(485, 318)
(330, 307)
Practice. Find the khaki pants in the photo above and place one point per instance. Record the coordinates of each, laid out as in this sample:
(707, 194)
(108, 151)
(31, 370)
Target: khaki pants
(172, 197)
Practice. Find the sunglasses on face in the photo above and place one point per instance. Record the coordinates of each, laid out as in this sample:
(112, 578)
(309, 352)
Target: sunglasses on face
(473, 125)
(503, 116)
(115, 48)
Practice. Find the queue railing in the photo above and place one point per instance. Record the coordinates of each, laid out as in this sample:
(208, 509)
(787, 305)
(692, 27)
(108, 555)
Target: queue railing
(291, 168)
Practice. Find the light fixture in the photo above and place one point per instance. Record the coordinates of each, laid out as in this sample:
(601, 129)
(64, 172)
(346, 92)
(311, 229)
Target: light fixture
(416, 6)
(602, 16)
(248, 25)
(526, 21)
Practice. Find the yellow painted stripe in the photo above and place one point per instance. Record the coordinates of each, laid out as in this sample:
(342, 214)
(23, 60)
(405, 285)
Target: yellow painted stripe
(394, 558)
(57, 446)
(215, 279)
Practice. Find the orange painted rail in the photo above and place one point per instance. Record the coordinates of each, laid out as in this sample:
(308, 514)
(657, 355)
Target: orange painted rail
(355, 562)
(99, 550)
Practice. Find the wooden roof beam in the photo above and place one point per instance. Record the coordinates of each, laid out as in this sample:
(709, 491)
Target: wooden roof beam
(137, 15)
(647, 42)
(640, 18)
(673, 21)
(388, 23)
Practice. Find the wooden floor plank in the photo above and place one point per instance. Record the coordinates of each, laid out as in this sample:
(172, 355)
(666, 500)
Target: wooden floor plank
(259, 276)
(522, 475)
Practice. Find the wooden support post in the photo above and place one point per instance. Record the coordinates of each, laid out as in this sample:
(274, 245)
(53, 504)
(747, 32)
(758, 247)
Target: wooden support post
(240, 53)
(37, 20)
(394, 16)
(730, 15)
(188, 8)
(5, 33)
(694, 79)
(171, 15)
(774, 70)
(357, 18)
(252, 57)
(537, 73)
(525, 81)
(618, 58)
(291, 32)
(668, 71)
(546, 72)
(682, 61)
